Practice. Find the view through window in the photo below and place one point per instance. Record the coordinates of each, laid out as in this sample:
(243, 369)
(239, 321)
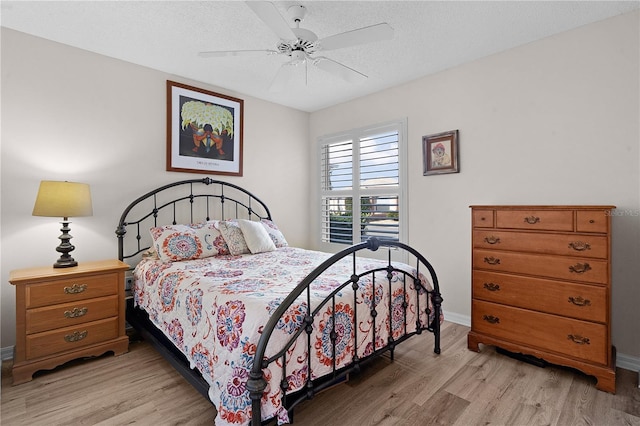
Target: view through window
(366, 166)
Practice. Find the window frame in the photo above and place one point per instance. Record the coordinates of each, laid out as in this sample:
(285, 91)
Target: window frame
(355, 135)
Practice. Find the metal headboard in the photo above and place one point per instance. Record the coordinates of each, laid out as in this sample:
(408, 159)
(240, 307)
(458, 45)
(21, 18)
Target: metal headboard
(186, 201)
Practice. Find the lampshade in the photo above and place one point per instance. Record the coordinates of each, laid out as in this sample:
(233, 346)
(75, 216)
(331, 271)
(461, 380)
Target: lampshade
(63, 199)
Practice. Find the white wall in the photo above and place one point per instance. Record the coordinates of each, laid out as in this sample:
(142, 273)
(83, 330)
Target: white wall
(551, 122)
(68, 114)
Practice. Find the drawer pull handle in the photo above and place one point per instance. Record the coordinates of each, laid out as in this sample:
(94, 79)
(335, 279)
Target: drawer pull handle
(75, 289)
(579, 340)
(492, 260)
(76, 313)
(579, 301)
(491, 319)
(492, 286)
(532, 220)
(580, 268)
(76, 336)
(579, 246)
(492, 240)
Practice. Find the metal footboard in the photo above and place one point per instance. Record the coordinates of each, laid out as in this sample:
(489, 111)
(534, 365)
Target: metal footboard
(256, 383)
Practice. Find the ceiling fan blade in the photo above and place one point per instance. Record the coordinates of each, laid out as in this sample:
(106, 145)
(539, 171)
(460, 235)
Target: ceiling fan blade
(282, 78)
(222, 53)
(364, 35)
(338, 69)
(270, 15)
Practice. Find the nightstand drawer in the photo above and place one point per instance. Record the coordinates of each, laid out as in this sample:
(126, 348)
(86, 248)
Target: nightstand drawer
(549, 220)
(70, 338)
(562, 267)
(71, 314)
(580, 301)
(70, 289)
(594, 246)
(575, 338)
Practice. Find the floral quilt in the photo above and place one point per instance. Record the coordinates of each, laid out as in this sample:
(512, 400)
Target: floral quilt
(214, 309)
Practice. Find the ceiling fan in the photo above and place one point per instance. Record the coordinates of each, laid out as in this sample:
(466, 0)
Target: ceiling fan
(302, 45)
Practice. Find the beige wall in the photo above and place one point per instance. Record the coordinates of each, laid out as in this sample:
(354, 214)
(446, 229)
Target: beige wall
(68, 114)
(551, 122)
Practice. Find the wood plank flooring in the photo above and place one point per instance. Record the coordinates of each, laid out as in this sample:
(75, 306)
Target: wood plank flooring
(457, 387)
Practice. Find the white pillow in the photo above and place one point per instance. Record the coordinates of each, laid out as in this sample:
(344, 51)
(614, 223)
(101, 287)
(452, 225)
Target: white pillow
(256, 236)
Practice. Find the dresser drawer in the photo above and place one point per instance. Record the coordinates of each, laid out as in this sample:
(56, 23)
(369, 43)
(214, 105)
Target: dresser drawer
(580, 301)
(548, 220)
(70, 338)
(592, 221)
(482, 218)
(71, 314)
(71, 289)
(563, 267)
(564, 244)
(575, 338)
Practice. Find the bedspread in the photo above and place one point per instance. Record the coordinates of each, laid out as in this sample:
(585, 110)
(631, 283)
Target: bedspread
(214, 309)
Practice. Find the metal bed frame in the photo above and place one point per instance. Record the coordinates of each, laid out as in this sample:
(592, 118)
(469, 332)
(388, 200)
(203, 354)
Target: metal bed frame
(191, 201)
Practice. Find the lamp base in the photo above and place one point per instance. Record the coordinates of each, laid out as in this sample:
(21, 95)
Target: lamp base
(65, 263)
(65, 247)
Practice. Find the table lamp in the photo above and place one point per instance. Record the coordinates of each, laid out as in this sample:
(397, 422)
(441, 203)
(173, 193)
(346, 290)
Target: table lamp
(63, 199)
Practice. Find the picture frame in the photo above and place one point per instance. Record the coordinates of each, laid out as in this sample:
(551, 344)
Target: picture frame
(440, 153)
(204, 131)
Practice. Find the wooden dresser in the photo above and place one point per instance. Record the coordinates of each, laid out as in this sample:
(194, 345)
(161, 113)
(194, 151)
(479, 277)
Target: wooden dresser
(541, 285)
(67, 313)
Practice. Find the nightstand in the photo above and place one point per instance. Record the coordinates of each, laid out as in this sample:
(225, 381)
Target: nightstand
(67, 313)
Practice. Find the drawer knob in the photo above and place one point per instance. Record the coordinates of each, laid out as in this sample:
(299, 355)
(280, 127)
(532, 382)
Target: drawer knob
(491, 319)
(532, 220)
(76, 313)
(579, 301)
(578, 339)
(492, 240)
(492, 260)
(75, 289)
(579, 246)
(76, 336)
(492, 286)
(580, 268)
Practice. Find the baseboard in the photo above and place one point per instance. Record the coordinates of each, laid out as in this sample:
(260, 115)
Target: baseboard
(627, 362)
(6, 353)
(457, 318)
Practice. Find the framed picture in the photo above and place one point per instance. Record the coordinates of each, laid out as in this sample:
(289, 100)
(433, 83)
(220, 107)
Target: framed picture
(204, 131)
(440, 153)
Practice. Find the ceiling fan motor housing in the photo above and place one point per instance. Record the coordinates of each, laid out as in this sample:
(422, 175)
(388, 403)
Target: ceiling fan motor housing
(297, 13)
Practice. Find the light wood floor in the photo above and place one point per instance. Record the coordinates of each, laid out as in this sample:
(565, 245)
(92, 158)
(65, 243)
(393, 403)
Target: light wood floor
(457, 387)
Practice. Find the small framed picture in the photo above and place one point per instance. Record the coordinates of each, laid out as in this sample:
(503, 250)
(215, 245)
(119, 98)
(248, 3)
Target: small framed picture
(440, 153)
(204, 131)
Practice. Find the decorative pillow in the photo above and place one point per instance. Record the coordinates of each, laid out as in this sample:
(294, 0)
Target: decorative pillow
(256, 236)
(151, 253)
(276, 236)
(233, 236)
(174, 243)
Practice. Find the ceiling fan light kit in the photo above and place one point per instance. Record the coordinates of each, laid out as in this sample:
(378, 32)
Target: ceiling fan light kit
(300, 44)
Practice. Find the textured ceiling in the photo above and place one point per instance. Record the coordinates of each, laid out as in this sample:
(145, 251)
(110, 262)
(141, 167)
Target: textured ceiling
(429, 37)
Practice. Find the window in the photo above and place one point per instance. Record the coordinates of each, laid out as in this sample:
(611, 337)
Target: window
(362, 177)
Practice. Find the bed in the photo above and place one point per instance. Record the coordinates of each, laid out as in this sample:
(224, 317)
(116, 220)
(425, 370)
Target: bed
(255, 325)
